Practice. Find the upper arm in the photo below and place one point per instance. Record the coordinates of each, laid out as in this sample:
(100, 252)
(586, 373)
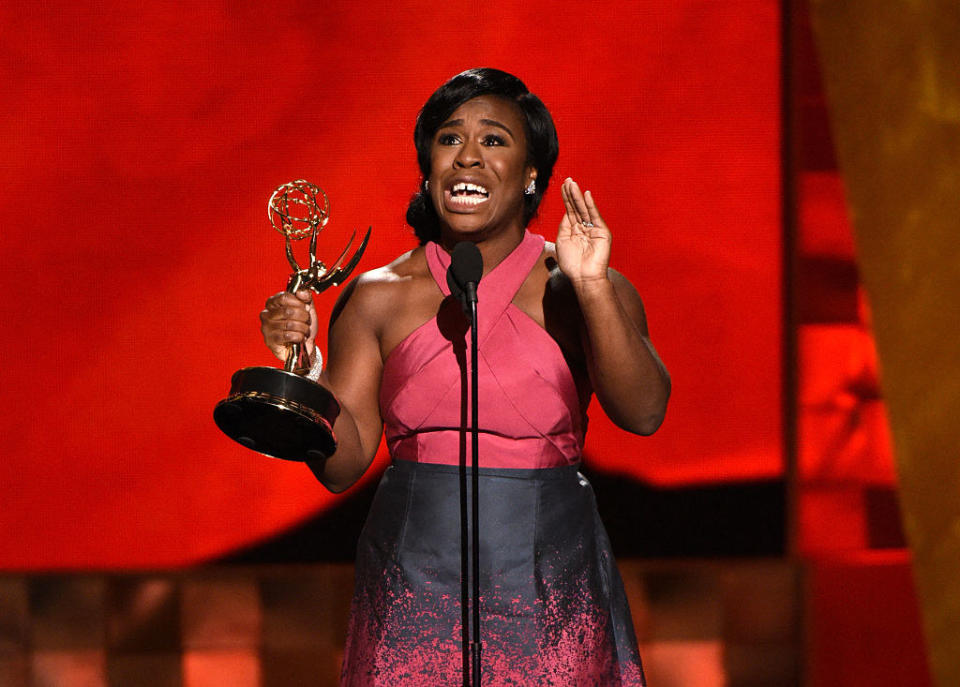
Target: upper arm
(354, 365)
(630, 301)
(630, 380)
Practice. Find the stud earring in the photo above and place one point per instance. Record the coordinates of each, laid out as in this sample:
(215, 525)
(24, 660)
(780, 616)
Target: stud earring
(531, 188)
(426, 185)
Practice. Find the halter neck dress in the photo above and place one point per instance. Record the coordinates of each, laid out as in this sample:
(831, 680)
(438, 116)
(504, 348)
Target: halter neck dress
(553, 610)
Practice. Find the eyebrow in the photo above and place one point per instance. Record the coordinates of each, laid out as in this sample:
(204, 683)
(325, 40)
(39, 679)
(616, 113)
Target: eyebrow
(486, 122)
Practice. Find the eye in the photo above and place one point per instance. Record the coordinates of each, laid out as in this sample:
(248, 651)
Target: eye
(493, 140)
(448, 139)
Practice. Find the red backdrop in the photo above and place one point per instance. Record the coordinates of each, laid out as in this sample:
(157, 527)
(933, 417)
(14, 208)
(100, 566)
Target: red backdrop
(138, 146)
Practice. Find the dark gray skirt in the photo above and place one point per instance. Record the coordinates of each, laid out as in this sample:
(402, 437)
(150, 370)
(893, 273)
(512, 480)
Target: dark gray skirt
(553, 609)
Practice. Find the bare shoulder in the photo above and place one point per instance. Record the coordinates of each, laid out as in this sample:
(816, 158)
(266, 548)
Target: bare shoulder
(560, 288)
(375, 294)
(558, 279)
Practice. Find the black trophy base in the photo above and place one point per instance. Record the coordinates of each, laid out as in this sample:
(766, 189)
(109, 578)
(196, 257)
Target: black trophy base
(279, 414)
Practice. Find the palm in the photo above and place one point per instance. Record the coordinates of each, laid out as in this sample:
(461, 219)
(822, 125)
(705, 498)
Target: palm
(583, 239)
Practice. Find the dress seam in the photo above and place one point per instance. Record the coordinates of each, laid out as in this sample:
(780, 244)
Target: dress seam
(401, 540)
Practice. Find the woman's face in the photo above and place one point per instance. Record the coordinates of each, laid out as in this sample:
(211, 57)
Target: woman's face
(478, 168)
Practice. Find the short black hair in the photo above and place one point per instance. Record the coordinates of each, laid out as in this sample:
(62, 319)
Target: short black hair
(542, 144)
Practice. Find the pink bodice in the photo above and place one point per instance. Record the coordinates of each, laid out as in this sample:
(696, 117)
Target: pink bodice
(529, 409)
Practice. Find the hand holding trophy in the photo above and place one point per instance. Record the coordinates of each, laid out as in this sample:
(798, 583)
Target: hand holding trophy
(283, 413)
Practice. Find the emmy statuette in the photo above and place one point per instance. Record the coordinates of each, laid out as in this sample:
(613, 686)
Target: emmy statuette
(281, 412)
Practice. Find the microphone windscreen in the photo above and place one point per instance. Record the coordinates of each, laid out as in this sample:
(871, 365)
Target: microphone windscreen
(466, 263)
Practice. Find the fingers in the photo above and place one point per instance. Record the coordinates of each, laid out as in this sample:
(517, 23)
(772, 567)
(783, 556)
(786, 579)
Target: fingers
(297, 300)
(576, 197)
(305, 295)
(287, 313)
(580, 207)
(568, 204)
(592, 213)
(286, 319)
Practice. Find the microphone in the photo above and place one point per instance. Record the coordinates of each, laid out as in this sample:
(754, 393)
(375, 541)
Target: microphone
(466, 268)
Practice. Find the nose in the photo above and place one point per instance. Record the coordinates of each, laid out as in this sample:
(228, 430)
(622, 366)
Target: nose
(469, 155)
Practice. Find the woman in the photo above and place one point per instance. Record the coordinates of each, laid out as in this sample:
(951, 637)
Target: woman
(556, 325)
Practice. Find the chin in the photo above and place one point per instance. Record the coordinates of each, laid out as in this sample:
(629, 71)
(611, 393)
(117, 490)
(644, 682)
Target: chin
(464, 225)
(476, 227)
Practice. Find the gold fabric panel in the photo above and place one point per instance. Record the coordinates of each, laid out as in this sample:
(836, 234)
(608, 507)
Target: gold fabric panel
(892, 74)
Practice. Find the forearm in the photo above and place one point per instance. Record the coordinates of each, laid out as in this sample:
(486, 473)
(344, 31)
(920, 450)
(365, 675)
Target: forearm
(628, 377)
(357, 443)
(351, 459)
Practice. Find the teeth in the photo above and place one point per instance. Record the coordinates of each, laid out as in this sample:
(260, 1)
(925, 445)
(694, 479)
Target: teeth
(471, 200)
(463, 187)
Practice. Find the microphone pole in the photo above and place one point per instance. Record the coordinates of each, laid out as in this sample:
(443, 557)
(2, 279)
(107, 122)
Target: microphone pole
(475, 478)
(466, 268)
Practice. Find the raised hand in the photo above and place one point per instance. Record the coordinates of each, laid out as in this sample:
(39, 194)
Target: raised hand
(583, 239)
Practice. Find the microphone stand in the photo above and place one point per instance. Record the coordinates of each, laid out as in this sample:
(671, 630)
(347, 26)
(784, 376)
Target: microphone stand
(470, 291)
(465, 271)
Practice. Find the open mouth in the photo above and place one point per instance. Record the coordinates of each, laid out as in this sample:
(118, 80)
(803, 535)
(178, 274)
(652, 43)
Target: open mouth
(464, 193)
